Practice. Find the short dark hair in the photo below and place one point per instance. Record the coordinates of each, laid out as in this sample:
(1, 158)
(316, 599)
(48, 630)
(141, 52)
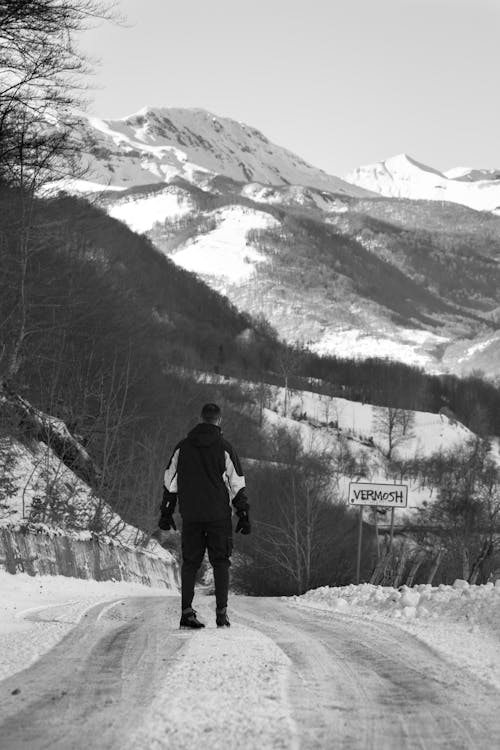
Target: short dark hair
(210, 413)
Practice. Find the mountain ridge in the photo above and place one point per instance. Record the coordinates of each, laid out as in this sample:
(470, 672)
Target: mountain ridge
(158, 144)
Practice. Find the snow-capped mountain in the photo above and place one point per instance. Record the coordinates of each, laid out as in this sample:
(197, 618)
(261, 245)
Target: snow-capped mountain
(403, 177)
(156, 145)
(335, 266)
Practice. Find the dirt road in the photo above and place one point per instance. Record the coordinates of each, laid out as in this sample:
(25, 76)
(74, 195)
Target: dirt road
(352, 683)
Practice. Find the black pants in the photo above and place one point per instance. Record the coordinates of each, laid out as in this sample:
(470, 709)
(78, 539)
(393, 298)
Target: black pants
(217, 538)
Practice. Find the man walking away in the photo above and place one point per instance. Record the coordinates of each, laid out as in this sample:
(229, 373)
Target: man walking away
(205, 475)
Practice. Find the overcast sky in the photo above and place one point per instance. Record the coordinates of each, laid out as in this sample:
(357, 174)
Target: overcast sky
(340, 82)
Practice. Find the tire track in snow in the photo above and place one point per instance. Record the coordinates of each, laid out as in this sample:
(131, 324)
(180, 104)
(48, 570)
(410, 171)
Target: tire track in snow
(365, 685)
(94, 687)
(126, 677)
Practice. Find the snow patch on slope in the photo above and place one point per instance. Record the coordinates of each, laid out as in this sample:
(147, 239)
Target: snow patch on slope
(431, 432)
(78, 187)
(409, 346)
(141, 213)
(225, 251)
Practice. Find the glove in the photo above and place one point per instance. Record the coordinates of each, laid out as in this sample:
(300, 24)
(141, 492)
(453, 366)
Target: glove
(167, 522)
(243, 526)
(168, 504)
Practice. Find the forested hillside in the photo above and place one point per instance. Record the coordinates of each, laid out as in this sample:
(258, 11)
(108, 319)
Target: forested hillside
(96, 328)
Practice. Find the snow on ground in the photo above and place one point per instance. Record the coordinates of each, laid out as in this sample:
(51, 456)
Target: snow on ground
(404, 344)
(356, 425)
(59, 602)
(141, 213)
(235, 684)
(462, 622)
(224, 252)
(429, 433)
(68, 185)
(35, 473)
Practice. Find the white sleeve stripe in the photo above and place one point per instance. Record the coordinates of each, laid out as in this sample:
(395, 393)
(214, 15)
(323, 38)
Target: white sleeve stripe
(235, 481)
(170, 479)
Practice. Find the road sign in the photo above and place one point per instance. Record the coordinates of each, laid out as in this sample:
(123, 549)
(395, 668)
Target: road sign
(378, 495)
(383, 495)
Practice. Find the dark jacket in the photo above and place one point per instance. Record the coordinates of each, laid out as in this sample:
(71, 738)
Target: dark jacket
(205, 474)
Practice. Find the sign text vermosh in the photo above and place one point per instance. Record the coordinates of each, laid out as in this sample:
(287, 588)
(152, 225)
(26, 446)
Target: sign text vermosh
(385, 495)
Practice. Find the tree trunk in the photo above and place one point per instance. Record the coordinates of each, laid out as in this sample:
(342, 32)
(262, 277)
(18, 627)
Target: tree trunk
(415, 568)
(465, 564)
(486, 551)
(401, 567)
(435, 566)
(380, 569)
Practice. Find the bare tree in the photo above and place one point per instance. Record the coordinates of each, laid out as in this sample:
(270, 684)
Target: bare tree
(290, 539)
(289, 360)
(41, 79)
(394, 425)
(464, 520)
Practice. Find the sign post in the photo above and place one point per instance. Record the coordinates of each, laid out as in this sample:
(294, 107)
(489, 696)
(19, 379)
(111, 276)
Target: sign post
(360, 537)
(375, 495)
(392, 530)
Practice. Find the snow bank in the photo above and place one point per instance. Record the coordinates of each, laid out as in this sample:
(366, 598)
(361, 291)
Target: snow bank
(462, 622)
(58, 603)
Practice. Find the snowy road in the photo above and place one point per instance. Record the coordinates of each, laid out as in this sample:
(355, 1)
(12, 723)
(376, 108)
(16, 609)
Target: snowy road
(359, 684)
(281, 677)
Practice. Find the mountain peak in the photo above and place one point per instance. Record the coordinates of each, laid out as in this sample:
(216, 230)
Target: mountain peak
(156, 144)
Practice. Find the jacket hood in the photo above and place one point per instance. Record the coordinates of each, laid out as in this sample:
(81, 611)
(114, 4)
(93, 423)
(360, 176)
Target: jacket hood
(204, 434)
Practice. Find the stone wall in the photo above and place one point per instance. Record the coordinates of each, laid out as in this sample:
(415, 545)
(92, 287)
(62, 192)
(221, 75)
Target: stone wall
(43, 552)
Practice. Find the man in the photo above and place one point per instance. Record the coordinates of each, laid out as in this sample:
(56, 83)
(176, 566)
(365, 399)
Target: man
(204, 474)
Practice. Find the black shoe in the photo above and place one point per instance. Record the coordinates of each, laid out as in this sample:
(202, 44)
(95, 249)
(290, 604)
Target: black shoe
(189, 620)
(221, 619)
